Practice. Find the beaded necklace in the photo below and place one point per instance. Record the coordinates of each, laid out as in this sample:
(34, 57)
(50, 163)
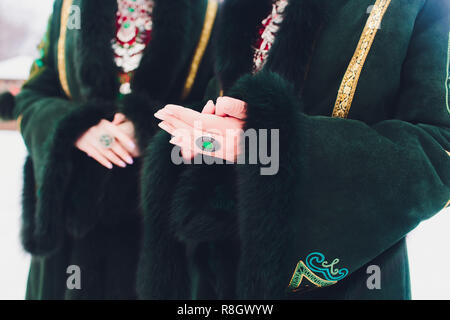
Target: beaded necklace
(267, 34)
(133, 34)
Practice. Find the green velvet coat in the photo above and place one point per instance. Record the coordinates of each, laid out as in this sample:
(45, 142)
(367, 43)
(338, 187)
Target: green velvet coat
(348, 190)
(75, 211)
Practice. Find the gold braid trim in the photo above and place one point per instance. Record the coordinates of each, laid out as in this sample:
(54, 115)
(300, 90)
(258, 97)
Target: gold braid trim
(65, 12)
(19, 123)
(447, 204)
(210, 17)
(350, 81)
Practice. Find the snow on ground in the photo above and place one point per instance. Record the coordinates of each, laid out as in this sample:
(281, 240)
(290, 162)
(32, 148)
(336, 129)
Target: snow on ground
(14, 262)
(429, 258)
(427, 245)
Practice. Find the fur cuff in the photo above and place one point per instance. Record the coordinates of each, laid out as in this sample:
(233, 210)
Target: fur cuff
(204, 209)
(163, 271)
(58, 195)
(6, 106)
(265, 204)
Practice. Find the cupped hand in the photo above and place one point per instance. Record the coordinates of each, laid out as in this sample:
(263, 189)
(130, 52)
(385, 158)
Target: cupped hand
(108, 144)
(204, 132)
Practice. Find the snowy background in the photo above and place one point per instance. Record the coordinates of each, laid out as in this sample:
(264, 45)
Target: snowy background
(22, 23)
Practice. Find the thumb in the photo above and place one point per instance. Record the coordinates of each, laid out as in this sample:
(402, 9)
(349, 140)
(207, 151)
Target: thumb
(209, 108)
(118, 118)
(234, 107)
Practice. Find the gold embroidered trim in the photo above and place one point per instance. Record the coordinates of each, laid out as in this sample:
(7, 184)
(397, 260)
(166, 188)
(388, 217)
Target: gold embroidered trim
(447, 84)
(65, 12)
(210, 17)
(19, 123)
(447, 204)
(350, 81)
(305, 272)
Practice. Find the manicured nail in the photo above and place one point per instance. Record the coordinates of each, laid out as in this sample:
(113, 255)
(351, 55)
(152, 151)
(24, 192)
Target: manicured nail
(129, 160)
(167, 111)
(163, 126)
(174, 140)
(159, 115)
(132, 145)
(110, 166)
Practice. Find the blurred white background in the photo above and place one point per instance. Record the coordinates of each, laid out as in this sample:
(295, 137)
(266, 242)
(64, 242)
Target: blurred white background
(22, 23)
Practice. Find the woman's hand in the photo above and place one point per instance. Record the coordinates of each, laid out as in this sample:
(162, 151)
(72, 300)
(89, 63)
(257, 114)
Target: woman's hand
(206, 133)
(127, 127)
(230, 107)
(108, 144)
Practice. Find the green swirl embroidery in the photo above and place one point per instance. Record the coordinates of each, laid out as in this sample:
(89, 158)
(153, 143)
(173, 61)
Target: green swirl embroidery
(331, 266)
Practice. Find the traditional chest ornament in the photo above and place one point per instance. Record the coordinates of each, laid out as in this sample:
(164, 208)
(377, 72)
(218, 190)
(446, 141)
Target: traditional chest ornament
(268, 31)
(318, 272)
(133, 33)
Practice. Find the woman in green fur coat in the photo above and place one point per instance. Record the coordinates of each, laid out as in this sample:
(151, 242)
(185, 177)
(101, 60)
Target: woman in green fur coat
(85, 113)
(358, 93)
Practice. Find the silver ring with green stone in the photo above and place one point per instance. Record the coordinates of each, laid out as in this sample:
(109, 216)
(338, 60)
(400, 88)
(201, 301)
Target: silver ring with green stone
(106, 140)
(208, 144)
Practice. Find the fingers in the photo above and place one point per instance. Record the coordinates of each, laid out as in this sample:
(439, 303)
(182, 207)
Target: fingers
(93, 152)
(227, 106)
(186, 149)
(119, 118)
(168, 128)
(209, 108)
(187, 115)
(220, 107)
(122, 153)
(126, 141)
(112, 157)
(171, 123)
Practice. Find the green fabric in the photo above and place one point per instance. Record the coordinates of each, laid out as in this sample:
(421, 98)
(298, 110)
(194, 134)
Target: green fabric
(363, 183)
(75, 211)
(348, 189)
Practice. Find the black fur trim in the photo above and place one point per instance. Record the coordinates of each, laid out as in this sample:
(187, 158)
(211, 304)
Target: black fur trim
(140, 110)
(264, 212)
(163, 269)
(239, 23)
(238, 28)
(29, 207)
(96, 67)
(203, 207)
(6, 106)
(50, 217)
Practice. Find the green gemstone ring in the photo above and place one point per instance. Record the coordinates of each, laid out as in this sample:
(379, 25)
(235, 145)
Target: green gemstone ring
(106, 140)
(208, 144)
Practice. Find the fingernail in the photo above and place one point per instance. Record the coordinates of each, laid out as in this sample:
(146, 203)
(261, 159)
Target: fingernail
(130, 160)
(110, 166)
(169, 110)
(163, 126)
(174, 140)
(159, 115)
(123, 164)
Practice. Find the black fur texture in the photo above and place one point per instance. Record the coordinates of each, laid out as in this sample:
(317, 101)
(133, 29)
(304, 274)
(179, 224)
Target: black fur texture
(6, 106)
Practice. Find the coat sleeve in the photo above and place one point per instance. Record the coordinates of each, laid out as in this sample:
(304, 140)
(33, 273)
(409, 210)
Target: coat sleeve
(50, 124)
(345, 191)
